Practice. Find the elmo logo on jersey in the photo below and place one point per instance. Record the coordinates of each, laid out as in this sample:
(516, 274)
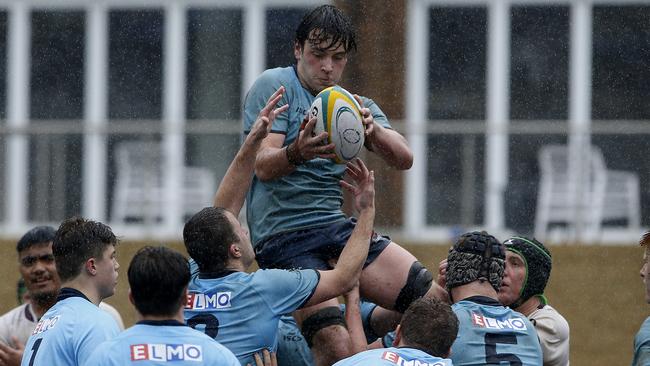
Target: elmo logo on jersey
(166, 352)
(208, 300)
(45, 324)
(492, 323)
(398, 360)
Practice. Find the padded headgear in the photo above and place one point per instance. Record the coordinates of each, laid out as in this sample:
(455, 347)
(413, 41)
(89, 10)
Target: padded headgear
(474, 256)
(538, 262)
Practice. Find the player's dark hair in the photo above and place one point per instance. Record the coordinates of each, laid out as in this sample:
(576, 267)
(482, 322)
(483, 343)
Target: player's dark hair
(78, 240)
(158, 277)
(325, 27)
(37, 235)
(430, 325)
(207, 236)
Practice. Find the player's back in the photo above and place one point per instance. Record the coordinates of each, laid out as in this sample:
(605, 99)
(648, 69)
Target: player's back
(242, 310)
(490, 333)
(394, 356)
(161, 342)
(68, 333)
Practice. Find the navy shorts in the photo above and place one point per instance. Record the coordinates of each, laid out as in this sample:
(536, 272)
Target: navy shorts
(313, 247)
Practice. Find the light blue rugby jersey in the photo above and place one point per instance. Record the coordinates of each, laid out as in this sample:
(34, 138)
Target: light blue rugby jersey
(292, 346)
(165, 342)
(642, 345)
(311, 195)
(68, 332)
(401, 356)
(489, 332)
(242, 310)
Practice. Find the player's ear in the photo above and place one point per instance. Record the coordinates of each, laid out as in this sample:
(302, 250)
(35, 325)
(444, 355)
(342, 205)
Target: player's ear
(297, 50)
(131, 297)
(90, 266)
(234, 251)
(398, 335)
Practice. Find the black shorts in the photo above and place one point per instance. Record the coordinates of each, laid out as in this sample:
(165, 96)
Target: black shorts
(313, 247)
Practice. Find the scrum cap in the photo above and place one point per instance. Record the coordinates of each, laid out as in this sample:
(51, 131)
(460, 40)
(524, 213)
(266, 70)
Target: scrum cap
(475, 256)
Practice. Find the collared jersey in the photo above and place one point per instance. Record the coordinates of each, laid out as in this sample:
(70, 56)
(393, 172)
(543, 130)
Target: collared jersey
(21, 321)
(242, 310)
(68, 332)
(642, 345)
(396, 356)
(150, 343)
(553, 332)
(311, 195)
(491, 333)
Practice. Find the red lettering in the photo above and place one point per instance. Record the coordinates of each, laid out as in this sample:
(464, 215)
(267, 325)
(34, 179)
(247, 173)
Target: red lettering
(139, 352)
(477, 320)
(390, 356)
(190, 301)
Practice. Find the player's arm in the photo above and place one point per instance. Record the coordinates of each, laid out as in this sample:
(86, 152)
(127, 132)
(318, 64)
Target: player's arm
(274, 161)
(234, 186)
(353, 320)
(389, 144)
(348, 268)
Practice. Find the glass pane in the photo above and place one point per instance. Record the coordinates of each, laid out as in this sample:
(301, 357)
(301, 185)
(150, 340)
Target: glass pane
(626, 155)
(214, 66)
(55, 177)
(620, 62)
(57, 69)
(455, 173)
(540, 62)
(281, 24)
(524, 179)
(3, 66)
(457, 59)
(135, 64)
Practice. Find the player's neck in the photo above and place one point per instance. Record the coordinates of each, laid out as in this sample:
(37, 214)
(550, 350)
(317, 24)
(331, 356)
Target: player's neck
(476, 288)
(235, 264)
(178, 317)
(86, 288)
(528, 306)
(40, 307)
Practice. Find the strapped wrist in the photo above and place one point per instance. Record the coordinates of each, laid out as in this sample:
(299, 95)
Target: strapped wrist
(293, 155)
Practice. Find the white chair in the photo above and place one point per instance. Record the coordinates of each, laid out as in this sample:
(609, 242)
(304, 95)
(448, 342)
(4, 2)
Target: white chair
(139, 190)
(606, 194)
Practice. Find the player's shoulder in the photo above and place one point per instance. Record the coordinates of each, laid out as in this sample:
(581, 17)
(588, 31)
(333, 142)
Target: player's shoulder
(276, 77)
(274, 274)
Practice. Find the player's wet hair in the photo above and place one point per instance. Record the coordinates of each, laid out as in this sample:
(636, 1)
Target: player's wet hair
(158, 277)
(37, 235)
(207, 236)
(537, 261)
(325, 27)
(475, 256)
(430, 325)
(78, 240)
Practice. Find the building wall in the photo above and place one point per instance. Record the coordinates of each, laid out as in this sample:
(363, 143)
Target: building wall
(597, 289)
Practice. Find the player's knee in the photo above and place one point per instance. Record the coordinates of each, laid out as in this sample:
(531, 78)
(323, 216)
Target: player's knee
(417, 284)
(320, 320)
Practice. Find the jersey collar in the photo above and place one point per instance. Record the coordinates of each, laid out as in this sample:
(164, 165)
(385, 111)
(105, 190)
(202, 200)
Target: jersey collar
(169, 322)
(68, 292)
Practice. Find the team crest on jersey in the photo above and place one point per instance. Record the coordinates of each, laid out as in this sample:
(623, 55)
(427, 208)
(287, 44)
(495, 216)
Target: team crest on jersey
(166, 352)
(513, 323)
(398, 360)
(46, 324)
(208, 300)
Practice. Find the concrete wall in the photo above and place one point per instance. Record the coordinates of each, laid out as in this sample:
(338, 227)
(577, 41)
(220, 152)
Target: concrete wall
(596, 288)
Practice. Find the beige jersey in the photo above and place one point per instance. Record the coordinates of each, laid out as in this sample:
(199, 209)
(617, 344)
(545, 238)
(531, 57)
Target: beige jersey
(553, 332)
(20, 322)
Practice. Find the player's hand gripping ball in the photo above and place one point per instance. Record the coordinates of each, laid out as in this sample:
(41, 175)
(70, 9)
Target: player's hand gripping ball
(337, 113)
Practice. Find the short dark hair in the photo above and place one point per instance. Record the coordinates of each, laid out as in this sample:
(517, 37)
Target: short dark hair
(37, 235)
(207, 236)
(430, 325)
(158, 277)
(77, 240)
(327, 23)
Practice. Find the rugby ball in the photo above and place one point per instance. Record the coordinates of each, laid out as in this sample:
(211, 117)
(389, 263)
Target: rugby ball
(337, 113)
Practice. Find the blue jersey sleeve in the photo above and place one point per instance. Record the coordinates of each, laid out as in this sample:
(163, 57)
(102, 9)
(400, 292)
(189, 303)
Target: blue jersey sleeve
(290, 289)
(377, 114)
(267, 84)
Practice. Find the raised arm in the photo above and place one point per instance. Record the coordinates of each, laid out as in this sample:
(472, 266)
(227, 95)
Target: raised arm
(274, 161)
(235, 184)
(348, 268)
(389, 144)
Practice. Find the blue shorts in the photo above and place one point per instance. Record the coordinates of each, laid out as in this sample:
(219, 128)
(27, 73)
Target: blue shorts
(313, 247)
